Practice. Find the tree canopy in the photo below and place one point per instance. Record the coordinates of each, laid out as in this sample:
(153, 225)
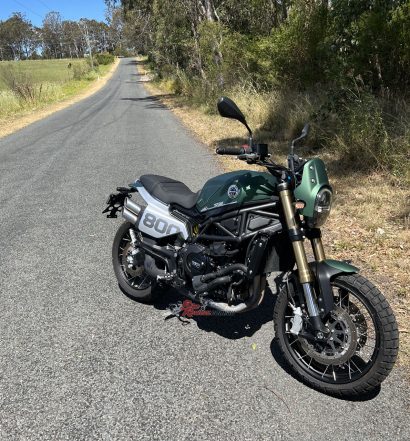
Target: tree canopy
(276, 42)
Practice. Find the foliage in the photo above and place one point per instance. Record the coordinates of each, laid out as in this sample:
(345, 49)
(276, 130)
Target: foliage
(342, 64)
(80, 70)
(104, 58)
(20, 83)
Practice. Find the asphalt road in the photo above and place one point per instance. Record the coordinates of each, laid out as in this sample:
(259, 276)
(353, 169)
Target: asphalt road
(78, 359)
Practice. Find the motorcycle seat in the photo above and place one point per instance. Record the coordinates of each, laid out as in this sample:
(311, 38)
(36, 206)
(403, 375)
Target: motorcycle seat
(169, 190)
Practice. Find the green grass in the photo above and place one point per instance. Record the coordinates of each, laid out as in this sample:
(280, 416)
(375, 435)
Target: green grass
(52, 81)
(44, 71)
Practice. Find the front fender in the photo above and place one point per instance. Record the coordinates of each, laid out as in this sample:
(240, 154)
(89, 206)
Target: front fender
(324, 272)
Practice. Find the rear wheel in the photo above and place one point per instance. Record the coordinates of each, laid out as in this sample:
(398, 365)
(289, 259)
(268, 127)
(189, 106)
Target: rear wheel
(128, 263)
(361, 348)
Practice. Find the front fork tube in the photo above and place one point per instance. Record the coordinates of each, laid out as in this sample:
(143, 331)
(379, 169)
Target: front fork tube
(305, 274)
(315, 237)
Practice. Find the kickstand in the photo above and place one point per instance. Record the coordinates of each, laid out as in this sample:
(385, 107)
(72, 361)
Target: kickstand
(175, 311)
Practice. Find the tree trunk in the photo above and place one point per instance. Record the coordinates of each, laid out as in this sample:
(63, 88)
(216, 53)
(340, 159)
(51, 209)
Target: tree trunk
(284, 10)
(207, 9)
(198, 51)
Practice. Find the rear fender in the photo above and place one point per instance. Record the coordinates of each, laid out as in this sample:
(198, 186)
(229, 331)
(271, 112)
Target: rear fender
(324, 272)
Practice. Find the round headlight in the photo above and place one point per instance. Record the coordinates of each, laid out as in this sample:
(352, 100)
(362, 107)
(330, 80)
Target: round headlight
(323, 204)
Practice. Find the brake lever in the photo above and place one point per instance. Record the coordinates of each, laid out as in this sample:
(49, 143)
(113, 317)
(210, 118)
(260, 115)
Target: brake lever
(250, 158)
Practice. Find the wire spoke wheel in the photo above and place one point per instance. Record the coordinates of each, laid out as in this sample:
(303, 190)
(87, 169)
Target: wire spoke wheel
(359, 341)
(128, 263)
(132, 269)
(350, 348)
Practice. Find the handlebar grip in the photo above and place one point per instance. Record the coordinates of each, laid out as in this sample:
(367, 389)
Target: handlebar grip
(230, 150)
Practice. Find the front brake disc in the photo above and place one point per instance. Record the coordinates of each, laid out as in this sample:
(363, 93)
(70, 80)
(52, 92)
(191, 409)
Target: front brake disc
(341, 343)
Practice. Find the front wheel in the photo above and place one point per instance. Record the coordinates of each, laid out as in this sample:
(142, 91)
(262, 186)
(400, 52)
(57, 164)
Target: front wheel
(362, 345)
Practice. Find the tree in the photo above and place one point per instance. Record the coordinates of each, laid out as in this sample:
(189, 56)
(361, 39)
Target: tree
(73, 42)
(52, 35)
(17, 38)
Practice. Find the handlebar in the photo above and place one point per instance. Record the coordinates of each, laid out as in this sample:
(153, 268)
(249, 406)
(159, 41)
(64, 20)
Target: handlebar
(257, 156)
(231, 151)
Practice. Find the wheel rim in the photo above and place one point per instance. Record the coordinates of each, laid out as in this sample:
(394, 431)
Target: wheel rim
(350, 354)
(134, 274)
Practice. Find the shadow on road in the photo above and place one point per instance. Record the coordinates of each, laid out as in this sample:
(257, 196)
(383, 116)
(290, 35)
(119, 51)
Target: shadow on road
(244, 325)
(232, 327)
(152, 102)
(130, 62)
(135, 82)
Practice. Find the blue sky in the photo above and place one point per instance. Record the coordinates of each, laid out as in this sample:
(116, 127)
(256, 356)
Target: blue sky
(35, 10)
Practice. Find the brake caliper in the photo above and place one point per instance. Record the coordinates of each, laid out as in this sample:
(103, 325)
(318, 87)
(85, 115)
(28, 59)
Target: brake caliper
(297, 320)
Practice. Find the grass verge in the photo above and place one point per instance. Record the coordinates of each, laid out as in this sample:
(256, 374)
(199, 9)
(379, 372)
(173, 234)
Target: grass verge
(370, 220)
(54, 96)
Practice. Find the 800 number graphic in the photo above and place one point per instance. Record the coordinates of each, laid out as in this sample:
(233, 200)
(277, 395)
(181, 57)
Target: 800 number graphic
(160, 225)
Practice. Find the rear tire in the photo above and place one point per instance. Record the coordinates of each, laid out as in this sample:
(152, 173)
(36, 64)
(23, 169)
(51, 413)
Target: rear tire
(139, 287)
(382, 357)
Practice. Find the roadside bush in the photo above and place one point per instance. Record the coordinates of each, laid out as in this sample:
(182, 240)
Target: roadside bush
(20, 83)
(92, 62)
(121, 52)
(80, 70)
(362, 130)
(104, 58)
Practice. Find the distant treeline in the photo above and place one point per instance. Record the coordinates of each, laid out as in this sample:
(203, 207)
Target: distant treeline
(58, 38)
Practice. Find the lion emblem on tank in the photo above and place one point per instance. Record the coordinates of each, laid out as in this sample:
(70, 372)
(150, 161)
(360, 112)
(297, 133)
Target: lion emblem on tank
(233, 191)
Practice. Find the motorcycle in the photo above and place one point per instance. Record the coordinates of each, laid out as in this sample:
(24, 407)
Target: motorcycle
(217, 246)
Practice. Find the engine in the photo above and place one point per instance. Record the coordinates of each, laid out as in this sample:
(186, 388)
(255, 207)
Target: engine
(195, 260)
(198, 260)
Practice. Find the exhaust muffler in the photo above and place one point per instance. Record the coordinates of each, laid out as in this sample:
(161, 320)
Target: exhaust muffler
(130, 211)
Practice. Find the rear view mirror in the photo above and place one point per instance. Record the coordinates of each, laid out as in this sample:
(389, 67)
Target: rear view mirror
(228, 109)
(305, 131)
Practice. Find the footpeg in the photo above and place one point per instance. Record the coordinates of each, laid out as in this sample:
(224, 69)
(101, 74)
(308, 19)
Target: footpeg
(165, 278)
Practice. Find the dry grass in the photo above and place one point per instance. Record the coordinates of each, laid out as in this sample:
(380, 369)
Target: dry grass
(370, 221)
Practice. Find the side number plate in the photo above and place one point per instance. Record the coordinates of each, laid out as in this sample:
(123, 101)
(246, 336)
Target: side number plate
(160, 225)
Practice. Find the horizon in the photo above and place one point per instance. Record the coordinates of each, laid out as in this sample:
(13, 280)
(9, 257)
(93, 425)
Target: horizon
(36, 10)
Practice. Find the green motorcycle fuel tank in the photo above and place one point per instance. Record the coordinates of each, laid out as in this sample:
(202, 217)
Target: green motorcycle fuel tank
(234, 189)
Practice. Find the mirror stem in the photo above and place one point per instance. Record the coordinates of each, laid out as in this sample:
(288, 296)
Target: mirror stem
(250, 139)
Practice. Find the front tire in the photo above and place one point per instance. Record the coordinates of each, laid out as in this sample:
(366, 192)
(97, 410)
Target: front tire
(133, 279)
(365, 346)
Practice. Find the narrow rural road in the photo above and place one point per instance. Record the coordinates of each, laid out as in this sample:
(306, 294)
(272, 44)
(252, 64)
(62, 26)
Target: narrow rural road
(78, 359)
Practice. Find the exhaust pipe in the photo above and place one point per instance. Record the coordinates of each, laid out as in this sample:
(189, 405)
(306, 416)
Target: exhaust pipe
(223, 277)
(132, 206)
(207, 282)
(257, 292)
(204, 287)
(152, 269)
(224, 271)
(128, 216)
(131, 211)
